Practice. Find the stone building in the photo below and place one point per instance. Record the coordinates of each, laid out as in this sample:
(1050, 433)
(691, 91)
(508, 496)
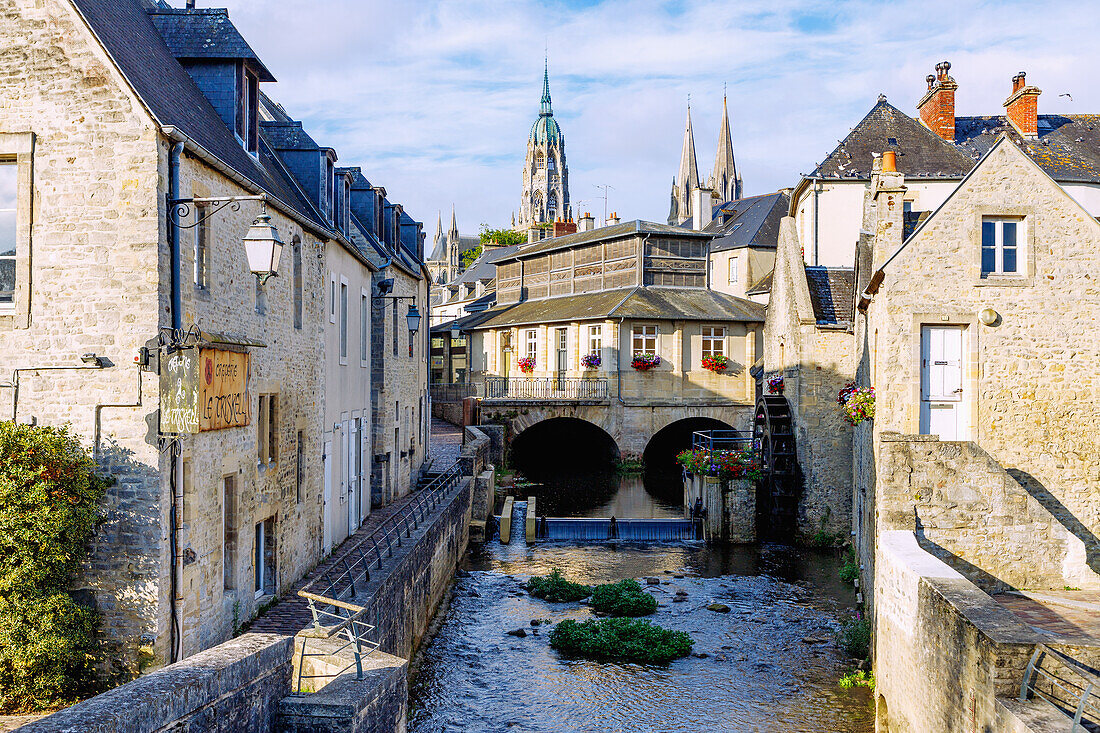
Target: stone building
(545, 196)
(445, 261)
(935, 150)
(134, 105)
(742, 256)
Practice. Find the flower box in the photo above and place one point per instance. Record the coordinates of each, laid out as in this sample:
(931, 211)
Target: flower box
(722, 465)
(591, 361)
(716, 363)
(645, 362)
(526, 364)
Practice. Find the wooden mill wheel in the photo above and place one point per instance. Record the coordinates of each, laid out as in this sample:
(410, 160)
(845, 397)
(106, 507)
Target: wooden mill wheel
(773, 436)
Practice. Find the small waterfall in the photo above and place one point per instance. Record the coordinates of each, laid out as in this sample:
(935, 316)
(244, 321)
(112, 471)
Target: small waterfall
(519, 522)
(626, 530)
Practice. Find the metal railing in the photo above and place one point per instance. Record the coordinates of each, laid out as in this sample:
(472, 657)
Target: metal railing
(1086, 693)
(331, 594)
(442, 392)
(713, 440)
(545, 388)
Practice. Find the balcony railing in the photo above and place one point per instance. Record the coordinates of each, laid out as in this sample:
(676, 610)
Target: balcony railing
(545, 388)
(713, 440)
(452, 392)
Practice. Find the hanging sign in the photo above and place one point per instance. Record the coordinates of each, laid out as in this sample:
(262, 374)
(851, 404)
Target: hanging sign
(179, 392)
(223, 394)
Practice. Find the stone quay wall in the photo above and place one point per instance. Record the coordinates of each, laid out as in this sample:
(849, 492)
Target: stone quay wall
(234, 687)
(971, 513)
(730, 508)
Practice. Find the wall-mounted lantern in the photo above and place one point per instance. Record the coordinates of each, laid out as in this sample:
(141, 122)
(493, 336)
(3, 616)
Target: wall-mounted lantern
(262, 245)
(413, 318)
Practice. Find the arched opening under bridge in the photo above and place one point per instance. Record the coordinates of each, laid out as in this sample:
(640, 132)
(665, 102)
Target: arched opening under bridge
(663, 475)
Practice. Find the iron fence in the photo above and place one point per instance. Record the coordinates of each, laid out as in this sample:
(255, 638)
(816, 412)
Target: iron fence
(712, 440)
(441, 392)
(545, 388)
(331, 595)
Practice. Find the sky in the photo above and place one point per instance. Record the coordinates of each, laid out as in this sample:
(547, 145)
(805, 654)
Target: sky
(435, 99)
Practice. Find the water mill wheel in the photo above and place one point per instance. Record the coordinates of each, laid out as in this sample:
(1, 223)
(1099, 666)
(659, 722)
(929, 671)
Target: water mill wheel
(778, 493)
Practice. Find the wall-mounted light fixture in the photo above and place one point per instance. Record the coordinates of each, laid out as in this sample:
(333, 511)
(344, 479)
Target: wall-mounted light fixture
(988, 316)
(93, 359)
(262, 245)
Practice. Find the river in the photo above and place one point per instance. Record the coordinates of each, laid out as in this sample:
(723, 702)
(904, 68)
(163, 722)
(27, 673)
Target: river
(770, 664)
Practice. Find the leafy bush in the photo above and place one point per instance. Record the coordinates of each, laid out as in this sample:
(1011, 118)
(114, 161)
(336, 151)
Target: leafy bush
(49, 505)
(855, 636)
(849, 571)
(556, 589)
(625, 598)
(857, 678)
(621, 640)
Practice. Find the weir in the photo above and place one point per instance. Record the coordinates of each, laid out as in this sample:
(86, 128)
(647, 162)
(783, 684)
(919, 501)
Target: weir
(624, 530)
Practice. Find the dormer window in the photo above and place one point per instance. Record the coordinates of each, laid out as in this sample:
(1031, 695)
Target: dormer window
(248, 117)
(347, 205)
(330, 189)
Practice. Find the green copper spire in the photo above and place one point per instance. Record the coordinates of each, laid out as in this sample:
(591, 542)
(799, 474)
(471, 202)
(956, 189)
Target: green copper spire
(545, 110)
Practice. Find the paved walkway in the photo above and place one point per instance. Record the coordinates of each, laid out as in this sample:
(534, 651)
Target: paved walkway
(291, 614)
(1066, 616)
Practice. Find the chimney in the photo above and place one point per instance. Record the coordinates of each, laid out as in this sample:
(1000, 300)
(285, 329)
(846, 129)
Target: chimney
(1022, 106)
(561, 228)
(887, 196)
(937, 106)
(612, 220)
(702, 207)
(587, 222)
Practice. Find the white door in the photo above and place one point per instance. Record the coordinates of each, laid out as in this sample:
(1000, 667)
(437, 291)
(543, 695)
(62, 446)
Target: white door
(326, 523)
(345, 471)
(353, 476)
(941, 385)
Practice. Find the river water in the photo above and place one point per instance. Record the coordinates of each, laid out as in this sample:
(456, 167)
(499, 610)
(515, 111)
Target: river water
(770, 664)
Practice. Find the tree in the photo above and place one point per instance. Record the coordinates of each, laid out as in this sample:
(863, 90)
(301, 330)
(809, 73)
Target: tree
(501, 237)
(49, 505)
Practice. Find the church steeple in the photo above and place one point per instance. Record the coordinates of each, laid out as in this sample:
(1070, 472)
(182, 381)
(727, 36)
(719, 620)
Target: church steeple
(545, 109)
(454, 224)
(725, 181)
(439, 226)
(687, 177)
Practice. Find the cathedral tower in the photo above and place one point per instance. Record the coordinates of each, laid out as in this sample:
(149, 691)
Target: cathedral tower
(545, 174)
(687, 179)
(725, 181)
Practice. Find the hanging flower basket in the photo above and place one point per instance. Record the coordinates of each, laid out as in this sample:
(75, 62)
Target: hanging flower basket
(857, 403)
(526, 364)
(775, 385)
(645, 362)
(591, 361)
(716, 363)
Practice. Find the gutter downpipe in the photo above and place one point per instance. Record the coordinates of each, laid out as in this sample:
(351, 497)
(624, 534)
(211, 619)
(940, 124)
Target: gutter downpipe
(175, 465)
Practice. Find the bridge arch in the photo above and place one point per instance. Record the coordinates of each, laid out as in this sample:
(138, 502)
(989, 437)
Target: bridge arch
(562, 444)
(661, 449)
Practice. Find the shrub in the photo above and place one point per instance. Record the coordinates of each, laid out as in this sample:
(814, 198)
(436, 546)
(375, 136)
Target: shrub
(49, 505)
(855, 636)
(556, 589)
(625, 598)
(620, 639)
(857, 678)
(849, 571)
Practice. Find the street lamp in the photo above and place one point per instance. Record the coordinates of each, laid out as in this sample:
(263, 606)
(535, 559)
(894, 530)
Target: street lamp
(263, 247)
(413, 318)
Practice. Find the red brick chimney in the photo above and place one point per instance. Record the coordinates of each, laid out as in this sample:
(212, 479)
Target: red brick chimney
(1022, 106)
(561, 228)
(937, 106)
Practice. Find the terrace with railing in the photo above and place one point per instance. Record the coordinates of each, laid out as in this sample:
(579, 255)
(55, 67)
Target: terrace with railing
(546, 388)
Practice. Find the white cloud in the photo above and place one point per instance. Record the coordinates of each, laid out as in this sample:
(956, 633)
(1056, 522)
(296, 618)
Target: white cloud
(435, 99)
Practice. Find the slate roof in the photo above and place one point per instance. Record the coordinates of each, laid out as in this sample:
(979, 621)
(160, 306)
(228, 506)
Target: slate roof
(129, 36)
(204, 33)
(761, 286)
(615, 231)
(439, 254)
(485, 267)
(831, 293)
(748, 222)
(1067, 147)
(657, 303)
(921, 153)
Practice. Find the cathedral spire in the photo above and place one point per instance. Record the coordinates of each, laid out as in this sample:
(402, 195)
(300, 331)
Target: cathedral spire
(454, 223)
(687, 177)
(725, 181)
(439, 226)
(545, 109)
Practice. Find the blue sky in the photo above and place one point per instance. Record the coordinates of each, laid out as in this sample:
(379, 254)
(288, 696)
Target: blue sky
(435, 99)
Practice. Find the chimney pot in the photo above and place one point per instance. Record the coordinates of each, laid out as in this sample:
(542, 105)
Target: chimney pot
(1022, 106)
(889, 161)
(931, 79)
(937, 106)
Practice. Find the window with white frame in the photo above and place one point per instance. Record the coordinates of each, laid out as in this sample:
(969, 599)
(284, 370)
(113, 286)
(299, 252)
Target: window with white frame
(1001, 240)
(343, 322)
(714, 341)
(202, 248)
(595, 339)
(532, 341)
(732, 276)
(9, 199)
(644, 340)
(364, 328)
(332, 298)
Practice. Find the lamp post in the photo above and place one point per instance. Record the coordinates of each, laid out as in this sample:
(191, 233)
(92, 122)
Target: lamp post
(262, 245)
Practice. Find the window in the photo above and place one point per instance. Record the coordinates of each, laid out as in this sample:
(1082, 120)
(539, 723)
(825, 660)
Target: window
(229, 531)
(330, 189)
(644, 340)
(332, 298)
(202, 248)
(299, 289)
(532, 343)
(540, 161)
(364, 328)
(343, 322)
(299, 464)
(1000, 245)
(267, 428)
(347, 205)
(9, 178)
(595, 339)
(395, 327)
(714, 341)
(732, 270)
(248, 118)
(265, 558)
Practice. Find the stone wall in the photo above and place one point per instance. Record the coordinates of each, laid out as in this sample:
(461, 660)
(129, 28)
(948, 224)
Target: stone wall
(729, 506)
(232, 688)
(943, 649)
(972, 514)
